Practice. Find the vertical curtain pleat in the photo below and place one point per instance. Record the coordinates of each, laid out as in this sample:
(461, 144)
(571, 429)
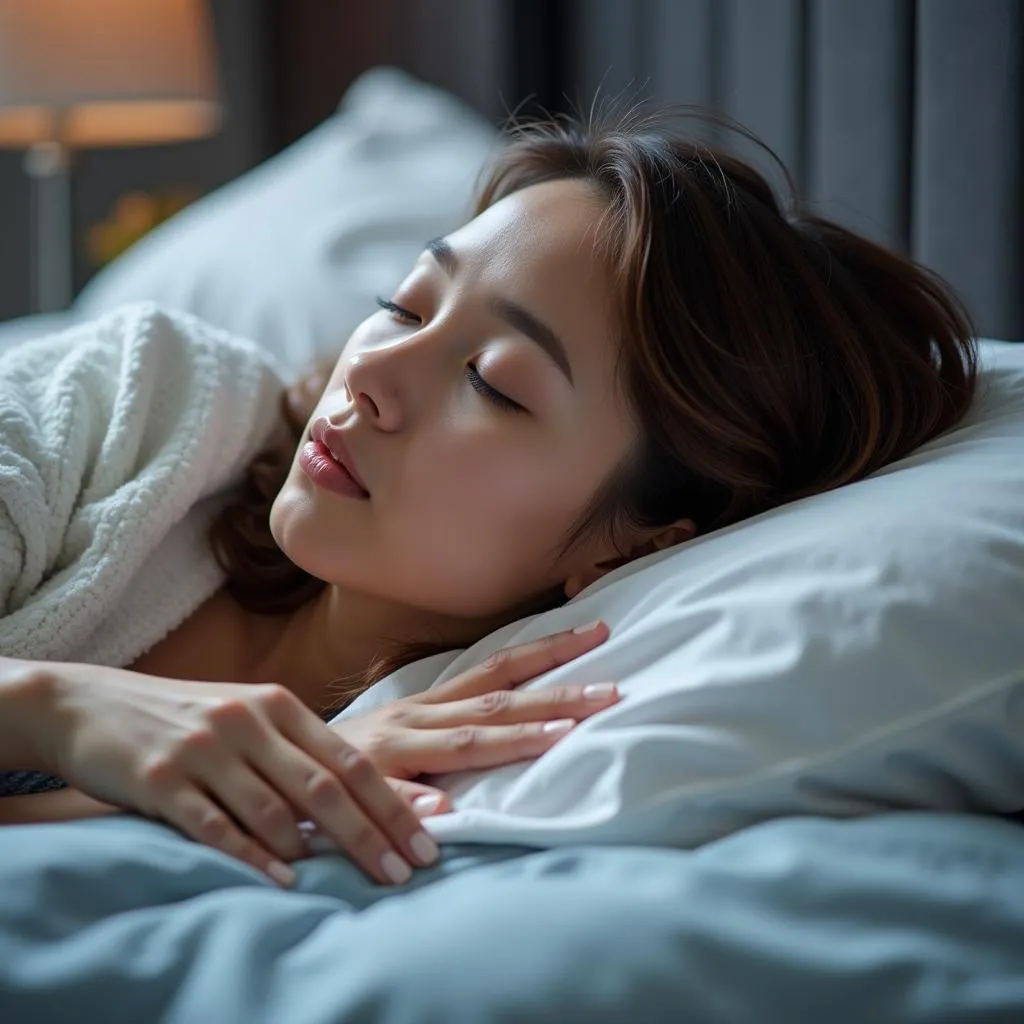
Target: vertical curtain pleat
(859, 96)
(605, 47)
(967, 184)
(458, 44)
(760, 80)
(676, 50)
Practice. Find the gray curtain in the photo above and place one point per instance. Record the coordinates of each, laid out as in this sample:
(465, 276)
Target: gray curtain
(903, 120)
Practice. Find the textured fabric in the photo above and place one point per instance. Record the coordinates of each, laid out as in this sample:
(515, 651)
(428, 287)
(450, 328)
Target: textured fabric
(915, 918)
(26, 783)
(110, 433)
(118, 439)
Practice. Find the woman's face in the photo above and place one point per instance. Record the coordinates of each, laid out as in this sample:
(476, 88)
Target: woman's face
(469, 494)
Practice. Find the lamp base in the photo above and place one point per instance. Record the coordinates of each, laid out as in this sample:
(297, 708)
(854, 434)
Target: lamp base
(48, 165)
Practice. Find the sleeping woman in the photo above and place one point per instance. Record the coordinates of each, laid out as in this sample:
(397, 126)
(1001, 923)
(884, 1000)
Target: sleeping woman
(631, 343)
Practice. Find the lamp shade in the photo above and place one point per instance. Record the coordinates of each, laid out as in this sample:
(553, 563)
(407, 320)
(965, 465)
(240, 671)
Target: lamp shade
(106, 72)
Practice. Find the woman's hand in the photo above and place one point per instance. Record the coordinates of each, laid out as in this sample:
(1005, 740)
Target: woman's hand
(233, 766)
(477, 719)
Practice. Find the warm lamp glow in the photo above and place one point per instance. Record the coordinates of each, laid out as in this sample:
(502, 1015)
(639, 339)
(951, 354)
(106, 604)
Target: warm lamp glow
(105, 72)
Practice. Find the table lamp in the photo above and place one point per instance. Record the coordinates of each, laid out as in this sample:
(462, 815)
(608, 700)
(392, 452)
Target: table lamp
(96, 73)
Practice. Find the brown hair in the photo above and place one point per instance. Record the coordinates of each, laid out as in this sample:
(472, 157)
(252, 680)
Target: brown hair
(767, 353)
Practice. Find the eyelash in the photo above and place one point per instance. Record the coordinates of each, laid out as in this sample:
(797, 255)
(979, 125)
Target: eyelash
(476, 382)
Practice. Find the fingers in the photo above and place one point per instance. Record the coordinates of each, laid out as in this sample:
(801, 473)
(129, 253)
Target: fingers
(424, 800)
(201, 819)
(510, 666)
(257, 807)
(355, 807)
(266, 759)
(340, 789)
(470, 747)
(507, 707)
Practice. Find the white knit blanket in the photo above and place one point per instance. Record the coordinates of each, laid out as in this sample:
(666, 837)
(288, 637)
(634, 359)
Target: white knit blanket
(119, 439)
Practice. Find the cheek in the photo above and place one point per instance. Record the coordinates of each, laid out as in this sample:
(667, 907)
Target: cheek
(474, 533)
(489, 494)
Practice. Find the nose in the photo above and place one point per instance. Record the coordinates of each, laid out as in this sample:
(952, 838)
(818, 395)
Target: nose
(372, 389)
(389, 382)
(384, 381)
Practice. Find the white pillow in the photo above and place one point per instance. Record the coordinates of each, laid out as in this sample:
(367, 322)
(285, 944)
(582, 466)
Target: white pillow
(34, 325)
(292, 253)
(850, 653)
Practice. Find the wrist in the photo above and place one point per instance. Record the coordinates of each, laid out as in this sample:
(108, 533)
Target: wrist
(27, 690)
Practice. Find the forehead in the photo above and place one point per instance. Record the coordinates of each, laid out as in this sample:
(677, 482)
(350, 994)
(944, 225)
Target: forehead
(553, 223)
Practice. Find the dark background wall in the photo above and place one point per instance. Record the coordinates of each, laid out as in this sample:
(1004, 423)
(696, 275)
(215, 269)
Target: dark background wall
(902, 118)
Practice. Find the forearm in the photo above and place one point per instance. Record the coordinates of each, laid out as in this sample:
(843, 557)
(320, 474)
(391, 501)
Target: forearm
(59, 805)
(23, 692)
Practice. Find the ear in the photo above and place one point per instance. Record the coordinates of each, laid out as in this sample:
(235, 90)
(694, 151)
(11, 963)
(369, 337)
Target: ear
(667, 537)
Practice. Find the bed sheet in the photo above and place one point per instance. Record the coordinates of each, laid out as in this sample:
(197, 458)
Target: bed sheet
(909, 917)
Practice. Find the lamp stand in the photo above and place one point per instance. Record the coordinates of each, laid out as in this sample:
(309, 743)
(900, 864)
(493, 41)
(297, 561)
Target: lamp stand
(48, 165)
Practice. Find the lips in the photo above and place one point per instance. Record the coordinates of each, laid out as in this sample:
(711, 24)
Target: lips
(330, 436)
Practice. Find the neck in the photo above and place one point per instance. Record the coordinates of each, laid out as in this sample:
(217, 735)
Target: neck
(338, 634)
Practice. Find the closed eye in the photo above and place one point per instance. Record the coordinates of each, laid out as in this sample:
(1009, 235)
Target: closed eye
(399, 311)
(476, 382)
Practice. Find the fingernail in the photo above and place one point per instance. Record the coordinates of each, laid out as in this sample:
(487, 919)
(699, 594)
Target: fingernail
(599, 691)
(424, 847)
(588, 628)
(426, 804)
(559, 726)
(281, 873)
(395, 868)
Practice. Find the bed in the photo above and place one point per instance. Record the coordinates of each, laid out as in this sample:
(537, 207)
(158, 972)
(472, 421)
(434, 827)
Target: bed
(792, 887)
(904, 917)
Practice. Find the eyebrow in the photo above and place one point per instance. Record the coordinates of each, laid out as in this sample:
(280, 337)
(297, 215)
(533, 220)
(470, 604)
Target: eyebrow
(511, 312)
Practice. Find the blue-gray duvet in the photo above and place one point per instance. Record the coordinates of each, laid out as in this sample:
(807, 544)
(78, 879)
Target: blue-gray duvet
(908, 917)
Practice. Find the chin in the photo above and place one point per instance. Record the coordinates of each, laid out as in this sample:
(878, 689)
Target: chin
(276, 530)
(294, 529)
(282, 516)
(310, 535)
